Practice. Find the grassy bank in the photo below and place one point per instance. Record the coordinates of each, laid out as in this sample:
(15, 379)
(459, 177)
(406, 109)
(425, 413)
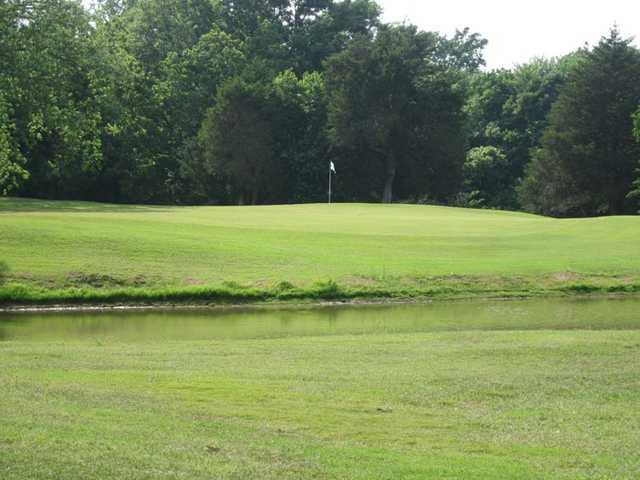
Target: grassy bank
(436, 289)
(76, 252)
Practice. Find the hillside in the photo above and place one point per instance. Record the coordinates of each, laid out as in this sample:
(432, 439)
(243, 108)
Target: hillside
(58, 245)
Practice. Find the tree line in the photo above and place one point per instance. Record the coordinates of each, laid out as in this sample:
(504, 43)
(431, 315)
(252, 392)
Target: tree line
(247, 102)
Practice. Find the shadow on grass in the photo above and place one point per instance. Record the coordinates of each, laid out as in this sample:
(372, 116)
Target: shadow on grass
(17, 205)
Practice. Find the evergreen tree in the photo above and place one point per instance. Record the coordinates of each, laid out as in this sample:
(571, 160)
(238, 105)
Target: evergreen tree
(635, 191)
(238, 140)
(586, 163)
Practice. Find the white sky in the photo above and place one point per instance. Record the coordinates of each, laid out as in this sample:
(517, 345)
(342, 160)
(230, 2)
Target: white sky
(518, 30)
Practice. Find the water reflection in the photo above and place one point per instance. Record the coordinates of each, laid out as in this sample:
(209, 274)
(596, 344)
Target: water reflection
(274, 323)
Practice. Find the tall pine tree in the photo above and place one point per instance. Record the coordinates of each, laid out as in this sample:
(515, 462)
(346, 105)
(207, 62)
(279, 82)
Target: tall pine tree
(586, 163)
(634, 195)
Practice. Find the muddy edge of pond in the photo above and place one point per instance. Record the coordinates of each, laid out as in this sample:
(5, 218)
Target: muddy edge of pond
(126, 307)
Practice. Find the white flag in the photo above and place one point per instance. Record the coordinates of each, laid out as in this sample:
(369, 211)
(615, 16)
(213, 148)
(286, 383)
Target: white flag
(332, 167)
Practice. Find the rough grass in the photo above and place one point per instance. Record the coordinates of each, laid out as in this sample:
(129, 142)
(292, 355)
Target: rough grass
(467, 404)
(85, 252)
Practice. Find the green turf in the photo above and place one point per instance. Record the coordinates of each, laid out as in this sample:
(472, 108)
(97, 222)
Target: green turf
(73, 244)
(473, 403)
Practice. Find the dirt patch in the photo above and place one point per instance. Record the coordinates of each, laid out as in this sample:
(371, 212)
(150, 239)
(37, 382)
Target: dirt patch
(97, 280)
(565, 277)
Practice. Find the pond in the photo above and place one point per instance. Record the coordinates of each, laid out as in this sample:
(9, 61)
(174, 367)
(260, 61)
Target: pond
(278, 322)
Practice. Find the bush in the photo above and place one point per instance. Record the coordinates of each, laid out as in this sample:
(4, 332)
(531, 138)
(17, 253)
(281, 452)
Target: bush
(284, 286)
(329, 290)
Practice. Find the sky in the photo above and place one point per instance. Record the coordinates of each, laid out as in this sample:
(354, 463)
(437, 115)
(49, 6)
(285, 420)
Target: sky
(519, 30)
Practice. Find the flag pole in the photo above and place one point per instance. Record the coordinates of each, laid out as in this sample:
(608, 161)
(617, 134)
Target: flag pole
(329, 183)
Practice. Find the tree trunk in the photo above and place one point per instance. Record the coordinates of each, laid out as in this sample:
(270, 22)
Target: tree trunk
(387, 196)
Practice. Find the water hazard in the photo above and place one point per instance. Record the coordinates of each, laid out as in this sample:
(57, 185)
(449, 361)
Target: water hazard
(272, 322)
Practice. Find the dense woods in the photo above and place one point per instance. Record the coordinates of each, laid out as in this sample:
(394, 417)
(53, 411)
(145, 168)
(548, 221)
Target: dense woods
(246, 102)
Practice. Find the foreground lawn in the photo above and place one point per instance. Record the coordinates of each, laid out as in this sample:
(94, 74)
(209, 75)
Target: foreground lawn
(57, 245)
(465, 404)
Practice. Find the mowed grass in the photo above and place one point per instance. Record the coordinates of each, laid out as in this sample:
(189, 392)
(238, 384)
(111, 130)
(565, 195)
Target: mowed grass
(466, 404)
(76, 244)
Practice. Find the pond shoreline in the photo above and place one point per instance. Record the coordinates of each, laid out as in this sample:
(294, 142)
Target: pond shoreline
(17, 296)
(291, 305)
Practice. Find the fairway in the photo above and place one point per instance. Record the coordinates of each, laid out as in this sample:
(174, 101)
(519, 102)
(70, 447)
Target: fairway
(73, 244)
(488, 391)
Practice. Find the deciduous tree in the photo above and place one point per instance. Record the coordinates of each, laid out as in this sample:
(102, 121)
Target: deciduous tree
(508, 110)
(392, 102)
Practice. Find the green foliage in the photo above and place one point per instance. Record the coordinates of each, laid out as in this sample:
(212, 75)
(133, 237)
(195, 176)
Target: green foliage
(112, 107)
(300, 120)
(463, 51)
(157, 84)
(379, 90)
(586, 162)
(634, 194)
(299, 34)
(508, 110)
(262, 139)
(53, 126)
(486, 176)
(238, 140)
(132, 101)
(12, 163)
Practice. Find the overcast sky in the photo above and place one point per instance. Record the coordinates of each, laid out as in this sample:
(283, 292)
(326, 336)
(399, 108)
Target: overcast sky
(517, 29)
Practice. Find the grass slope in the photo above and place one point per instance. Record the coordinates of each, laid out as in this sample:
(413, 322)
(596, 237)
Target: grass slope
(76, 251)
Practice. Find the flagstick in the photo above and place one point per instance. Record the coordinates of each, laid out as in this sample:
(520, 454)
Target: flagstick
(329, 184)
